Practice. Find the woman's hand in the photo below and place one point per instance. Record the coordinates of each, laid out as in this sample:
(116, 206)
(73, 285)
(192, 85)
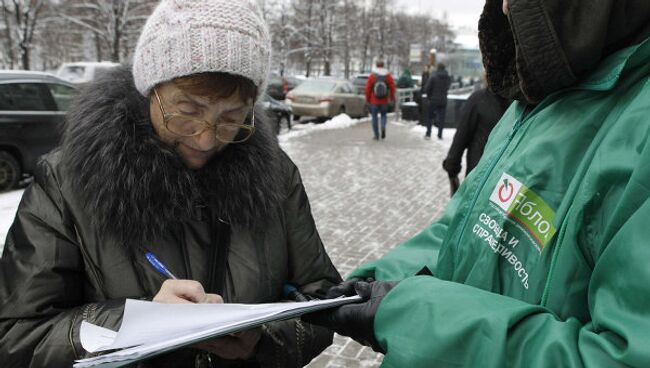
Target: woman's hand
(235, 346)
(184, 291)
(240, 345)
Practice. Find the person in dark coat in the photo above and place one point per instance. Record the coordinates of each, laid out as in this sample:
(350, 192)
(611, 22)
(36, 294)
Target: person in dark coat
(479, 115)
(171, 157)
(436, 90)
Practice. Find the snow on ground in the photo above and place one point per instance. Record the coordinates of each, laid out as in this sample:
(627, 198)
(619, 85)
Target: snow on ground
(421, 130)
(341, 121)
(8, 205)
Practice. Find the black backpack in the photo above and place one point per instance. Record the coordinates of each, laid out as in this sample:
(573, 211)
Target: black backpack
(380, 88)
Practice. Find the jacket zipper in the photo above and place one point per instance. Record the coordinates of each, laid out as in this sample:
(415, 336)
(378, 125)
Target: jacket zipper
(92, 267)
(520, 120)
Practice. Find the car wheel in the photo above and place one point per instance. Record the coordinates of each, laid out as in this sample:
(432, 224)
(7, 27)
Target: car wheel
(9, 171)
(342, 110)
(283, 124)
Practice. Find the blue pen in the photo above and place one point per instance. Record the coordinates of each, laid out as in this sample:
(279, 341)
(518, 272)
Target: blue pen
(159, 266)
(291, 292)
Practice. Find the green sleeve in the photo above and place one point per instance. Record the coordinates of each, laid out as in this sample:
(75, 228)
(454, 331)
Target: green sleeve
(422, 250)
(427, 322)
(414, 254)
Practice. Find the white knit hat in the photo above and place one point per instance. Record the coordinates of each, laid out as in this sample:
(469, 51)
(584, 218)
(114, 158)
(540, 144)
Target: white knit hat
(184, 37)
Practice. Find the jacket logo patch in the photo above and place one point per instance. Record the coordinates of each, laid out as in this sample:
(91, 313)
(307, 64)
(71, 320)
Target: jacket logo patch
(524, 206)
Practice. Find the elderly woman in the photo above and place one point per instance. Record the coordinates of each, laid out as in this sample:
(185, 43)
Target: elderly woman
(168, 158)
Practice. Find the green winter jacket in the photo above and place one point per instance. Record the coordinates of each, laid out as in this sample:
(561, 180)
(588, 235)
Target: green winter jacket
(542, 258)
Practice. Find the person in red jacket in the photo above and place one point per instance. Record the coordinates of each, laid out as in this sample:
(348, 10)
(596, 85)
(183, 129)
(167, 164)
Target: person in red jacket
(380, 91)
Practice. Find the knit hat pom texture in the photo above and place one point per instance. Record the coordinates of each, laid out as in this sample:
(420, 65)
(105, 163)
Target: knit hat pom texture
(185, 37)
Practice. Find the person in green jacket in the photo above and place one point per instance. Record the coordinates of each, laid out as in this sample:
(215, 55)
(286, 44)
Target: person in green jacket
(172, 157)
(542, 257)
(405, 80)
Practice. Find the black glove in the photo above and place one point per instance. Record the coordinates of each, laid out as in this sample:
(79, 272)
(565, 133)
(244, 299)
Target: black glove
(346, 288)
(355, 320)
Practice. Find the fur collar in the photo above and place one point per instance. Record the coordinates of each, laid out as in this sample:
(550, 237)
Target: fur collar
(137, 187)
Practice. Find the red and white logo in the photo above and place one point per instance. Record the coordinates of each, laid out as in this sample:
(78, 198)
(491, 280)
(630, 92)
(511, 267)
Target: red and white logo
(505, 191)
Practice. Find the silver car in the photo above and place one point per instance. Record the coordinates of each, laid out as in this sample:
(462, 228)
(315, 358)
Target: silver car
(326, 98)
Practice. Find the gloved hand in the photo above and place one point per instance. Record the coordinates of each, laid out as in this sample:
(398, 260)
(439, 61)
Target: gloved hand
(454, 183)
(355, 320)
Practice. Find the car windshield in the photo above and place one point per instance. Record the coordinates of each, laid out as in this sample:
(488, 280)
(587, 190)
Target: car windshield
(275, 79)
(100, 70)
(316, 86)
(73, 73)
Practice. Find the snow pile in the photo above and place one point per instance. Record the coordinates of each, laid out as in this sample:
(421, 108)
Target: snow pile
(340, 121)
(8, 206)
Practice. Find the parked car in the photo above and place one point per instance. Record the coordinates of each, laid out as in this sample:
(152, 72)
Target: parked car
(278, 112)
(279, 86)
(32, 108)
(83, 72)
(326, 98)
(359, 82)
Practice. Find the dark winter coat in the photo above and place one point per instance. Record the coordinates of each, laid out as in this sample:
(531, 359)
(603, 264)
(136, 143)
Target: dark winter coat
(479, 115)
(546, 45)
(241, 226)
(437, 87)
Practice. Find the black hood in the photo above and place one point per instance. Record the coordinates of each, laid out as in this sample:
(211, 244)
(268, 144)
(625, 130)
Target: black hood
(135, 186)
(547, 45)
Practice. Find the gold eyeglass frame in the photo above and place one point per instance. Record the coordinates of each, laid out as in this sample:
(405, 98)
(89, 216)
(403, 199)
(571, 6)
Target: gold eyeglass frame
(167, 116)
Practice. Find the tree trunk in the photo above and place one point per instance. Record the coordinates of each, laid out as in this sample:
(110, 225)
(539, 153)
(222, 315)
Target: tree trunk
(98, 47)
(24, 56)
(115, 52)
(9, 44)
(346, 39)
(308, 55)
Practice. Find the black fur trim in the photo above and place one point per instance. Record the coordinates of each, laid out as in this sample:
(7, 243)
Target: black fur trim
(136, 186)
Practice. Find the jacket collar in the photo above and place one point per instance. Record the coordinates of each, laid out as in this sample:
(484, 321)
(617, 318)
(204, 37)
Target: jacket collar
(610, 70)
(136, 187)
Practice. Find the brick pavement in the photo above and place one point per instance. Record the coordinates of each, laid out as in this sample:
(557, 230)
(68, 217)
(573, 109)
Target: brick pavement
(367, 197)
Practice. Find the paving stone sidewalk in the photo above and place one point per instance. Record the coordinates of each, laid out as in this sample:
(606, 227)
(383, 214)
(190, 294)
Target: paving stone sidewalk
(366, 198)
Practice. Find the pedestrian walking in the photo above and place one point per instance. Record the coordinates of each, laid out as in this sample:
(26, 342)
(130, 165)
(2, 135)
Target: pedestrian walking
(436, 90)
(380, 92)
(541, 258)
(405, 80)
(168, 159)
(478, 117)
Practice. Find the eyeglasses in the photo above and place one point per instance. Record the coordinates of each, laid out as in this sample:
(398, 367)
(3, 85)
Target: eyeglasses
(187, 126)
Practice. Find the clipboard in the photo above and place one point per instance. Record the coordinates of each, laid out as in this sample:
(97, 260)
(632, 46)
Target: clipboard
(144, 332)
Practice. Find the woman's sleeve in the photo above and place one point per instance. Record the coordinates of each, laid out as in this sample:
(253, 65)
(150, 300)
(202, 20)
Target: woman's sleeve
(42, 284)
(293, 343)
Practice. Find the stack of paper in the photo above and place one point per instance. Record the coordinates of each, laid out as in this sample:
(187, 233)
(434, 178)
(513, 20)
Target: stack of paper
(150, 329)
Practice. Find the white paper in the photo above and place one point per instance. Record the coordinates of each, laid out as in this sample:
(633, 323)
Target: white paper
(95, 337)
(149, 327)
